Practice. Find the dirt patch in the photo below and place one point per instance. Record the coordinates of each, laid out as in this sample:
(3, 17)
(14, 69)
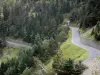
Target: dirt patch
(93, 67)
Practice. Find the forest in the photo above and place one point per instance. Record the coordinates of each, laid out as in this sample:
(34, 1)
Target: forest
(42, 24)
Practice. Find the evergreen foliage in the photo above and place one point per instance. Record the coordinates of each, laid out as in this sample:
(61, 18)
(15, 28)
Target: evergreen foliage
(39, 22)
(90, 13)
(18, 65)
(67, 67)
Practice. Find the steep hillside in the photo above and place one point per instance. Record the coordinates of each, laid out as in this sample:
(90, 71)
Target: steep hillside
(87, 34)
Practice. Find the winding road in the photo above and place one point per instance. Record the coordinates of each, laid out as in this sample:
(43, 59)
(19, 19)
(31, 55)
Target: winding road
(94, 53)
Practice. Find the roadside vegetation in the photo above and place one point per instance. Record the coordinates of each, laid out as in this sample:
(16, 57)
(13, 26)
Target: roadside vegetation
(9, 53)
(66, 62)
(87, 34)
(40, 23)
(72, 51)
(68, 67)
(92, 33)
(67, 53)
(98, 58)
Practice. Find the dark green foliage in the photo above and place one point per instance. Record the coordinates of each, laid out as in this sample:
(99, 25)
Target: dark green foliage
(74, 15)
(90, 13)
(97, 37)
(3, 29)
(3, 68)
(26, 19)
(68, 67)
(37, 22)
(5, 12)
(87, 13)
(62, 33)
(45, 49)
(34, 22)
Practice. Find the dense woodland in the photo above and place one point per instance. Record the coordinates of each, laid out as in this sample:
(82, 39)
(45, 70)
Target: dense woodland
(36, 22)
(41, 23)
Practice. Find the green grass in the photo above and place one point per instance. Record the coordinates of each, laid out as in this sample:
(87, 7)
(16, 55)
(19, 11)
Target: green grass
(9, 53)
(99, 58)
(72, 51)
(96, 73)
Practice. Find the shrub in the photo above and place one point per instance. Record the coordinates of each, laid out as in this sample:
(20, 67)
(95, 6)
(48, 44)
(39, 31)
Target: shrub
(97, 37)
(74, 15)
(2, 43)
(62, 36)
(67, 67)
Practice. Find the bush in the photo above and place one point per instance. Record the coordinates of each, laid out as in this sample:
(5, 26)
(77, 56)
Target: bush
(74, 15)
(67, 67)
(17, 65)
(62, 33)
(97, 37)
(62, 36)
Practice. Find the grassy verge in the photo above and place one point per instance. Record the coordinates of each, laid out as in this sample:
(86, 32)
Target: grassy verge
(9, 53)
(99, 58)
(96, 73)
(72, 51)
